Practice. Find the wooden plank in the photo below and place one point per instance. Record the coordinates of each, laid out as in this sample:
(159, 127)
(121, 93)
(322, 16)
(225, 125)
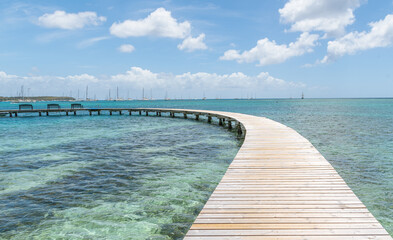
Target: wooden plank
(289, 232)
(280, 210)
(292, 237)
(281, 202)
(282, 226)
(282, 206)
(287, 199)
(288, 220)
(283, 216)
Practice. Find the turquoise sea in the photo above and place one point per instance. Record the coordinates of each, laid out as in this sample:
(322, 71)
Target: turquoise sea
(122, 177)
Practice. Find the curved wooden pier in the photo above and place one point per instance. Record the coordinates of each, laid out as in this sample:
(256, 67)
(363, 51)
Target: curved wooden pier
(277, 187)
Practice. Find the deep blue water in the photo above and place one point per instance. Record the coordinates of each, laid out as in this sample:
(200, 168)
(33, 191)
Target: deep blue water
(132, 177)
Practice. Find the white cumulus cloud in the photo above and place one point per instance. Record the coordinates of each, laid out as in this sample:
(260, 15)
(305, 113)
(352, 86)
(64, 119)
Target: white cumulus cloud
(236, 80)
(70, 21)
(126, 48)
(159, 23)
(269, 52)
(191, 44)
(82, 78)
(330, 16)
(137, 78)
(380, 35)
(4, 76)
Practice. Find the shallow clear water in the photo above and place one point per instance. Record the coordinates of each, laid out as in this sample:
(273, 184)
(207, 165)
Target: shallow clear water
(133, 177)
(115, 177)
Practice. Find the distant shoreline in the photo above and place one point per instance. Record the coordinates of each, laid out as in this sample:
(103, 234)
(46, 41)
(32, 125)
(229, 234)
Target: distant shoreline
(52, 98)
(33, 99)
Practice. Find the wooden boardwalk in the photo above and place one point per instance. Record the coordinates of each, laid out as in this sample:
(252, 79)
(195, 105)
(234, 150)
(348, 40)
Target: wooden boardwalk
(277, 187)
(280, 187)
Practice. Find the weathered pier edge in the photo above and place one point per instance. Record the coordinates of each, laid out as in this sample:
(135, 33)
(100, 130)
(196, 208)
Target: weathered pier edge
(277, 187)
(223, 120)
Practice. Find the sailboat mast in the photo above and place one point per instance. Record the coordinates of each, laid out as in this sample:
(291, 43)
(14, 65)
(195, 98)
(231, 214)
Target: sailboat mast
(22, 93)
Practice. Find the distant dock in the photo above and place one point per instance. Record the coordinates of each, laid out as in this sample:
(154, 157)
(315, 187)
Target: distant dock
(277, 187)
(222, 120)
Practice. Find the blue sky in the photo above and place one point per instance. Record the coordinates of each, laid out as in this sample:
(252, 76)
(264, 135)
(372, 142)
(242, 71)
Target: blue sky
(226, 49)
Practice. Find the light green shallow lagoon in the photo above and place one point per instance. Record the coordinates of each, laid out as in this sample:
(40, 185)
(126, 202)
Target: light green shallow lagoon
(122, 177)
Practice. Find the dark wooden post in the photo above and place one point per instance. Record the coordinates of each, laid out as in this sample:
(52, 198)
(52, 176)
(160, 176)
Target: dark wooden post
(185, 115)
(10, 114)
(66, 113)
(209, 119)
(110, 113)
(156, 113)
(159, 114)
(99, 112)
(129, 112)
(239, 129)
(229, 124)
(39, 114)
(74, 113)
(140, 112)
(220, 121)
(90, 113)
(147, 113)
(47, 113)
(16, 114)
(120, 112)
(196, 116)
